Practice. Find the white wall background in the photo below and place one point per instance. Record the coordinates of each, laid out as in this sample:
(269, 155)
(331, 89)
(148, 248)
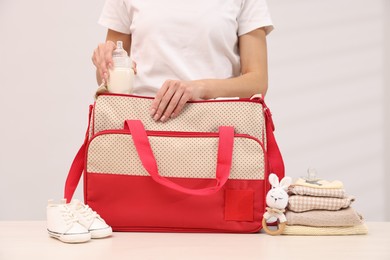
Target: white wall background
(328, 73)
(387, 105)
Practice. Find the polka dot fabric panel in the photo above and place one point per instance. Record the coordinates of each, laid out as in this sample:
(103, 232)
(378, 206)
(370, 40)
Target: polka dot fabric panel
(189, 157)
(247, 117)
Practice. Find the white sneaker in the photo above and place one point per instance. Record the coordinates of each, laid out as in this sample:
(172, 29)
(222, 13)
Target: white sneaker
(90, 219)
(63, 224)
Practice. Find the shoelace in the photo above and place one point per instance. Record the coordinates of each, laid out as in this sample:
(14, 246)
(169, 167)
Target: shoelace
(87, 212)
(67, 215)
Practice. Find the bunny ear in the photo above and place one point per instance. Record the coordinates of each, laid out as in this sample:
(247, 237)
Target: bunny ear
(285, 182)
(274, 180)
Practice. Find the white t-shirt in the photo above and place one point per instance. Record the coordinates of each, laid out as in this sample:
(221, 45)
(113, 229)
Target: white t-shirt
(184, 40)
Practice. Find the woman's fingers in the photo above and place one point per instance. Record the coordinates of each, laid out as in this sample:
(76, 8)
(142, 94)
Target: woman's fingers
(162, 99)
(171, 99)
(176, 99)
(102, 58)
(180, 105)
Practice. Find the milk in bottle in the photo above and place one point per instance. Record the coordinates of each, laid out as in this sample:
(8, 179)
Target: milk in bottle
(122, 75)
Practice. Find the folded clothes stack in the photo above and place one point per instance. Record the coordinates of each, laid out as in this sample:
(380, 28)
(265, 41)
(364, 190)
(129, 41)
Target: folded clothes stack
(320, 207)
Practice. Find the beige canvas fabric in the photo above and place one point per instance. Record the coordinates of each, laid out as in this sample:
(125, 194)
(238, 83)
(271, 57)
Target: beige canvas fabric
(176, 156)
(111, 112)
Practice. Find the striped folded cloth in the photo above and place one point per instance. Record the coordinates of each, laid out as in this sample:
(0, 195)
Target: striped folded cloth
(325, 231)
(309, 191)
(298, 203)
(324, 218)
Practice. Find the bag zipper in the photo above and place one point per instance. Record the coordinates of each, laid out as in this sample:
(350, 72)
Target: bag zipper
(254, 99)
(174, 134)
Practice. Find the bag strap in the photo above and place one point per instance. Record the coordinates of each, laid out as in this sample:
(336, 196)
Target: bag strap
(275, 159)
(77, 167)
(75, 172)
(145, 153)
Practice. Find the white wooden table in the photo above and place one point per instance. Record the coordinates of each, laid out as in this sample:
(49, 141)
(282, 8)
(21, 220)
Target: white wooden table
(29, 240)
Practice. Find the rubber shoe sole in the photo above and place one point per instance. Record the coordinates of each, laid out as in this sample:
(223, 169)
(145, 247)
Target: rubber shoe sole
(71, 238)
(101, 233)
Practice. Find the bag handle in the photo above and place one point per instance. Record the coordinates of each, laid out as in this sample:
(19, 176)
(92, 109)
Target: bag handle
(145, 153)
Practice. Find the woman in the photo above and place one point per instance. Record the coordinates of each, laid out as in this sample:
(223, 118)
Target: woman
(188, 50)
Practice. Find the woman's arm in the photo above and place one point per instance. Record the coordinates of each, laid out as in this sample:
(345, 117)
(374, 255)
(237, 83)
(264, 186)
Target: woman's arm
(254, 70)
(174, 94)
(102, 56)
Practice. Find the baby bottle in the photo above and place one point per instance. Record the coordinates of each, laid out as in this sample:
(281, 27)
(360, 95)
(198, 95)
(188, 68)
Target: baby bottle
(122, 75)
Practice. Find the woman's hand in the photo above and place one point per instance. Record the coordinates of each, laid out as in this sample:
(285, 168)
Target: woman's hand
(172, 97)
(102, 59)
(102, 56)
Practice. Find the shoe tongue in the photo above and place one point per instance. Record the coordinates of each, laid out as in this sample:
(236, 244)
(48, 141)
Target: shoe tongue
(76, 203)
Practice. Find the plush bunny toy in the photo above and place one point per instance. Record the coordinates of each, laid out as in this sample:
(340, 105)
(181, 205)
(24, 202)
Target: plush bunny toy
(277, 200)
